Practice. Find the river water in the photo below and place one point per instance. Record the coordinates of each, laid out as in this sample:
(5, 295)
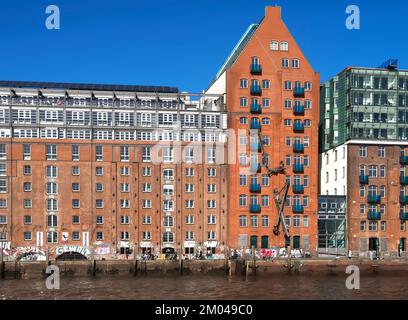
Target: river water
(208, 287)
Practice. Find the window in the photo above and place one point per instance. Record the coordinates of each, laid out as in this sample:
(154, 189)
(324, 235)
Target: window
(75, 219)
(211, 235)
(210, 155)
(76, 203)
(189, 219)
(189, 235)
(243, 120)
(3, 219)
(372, 226)
(125, 203)
(266, 102)
(75, 187)
(27, 170)
(211, 204)
(243, 221)
(362, 225)
(363, 151)
(51, 152)
(382, 171)
(26, 152)
(211, 188)
(27, 186)
(274, 45)
(265, 221)
(287, 85)
(284, 46)
(124, 171)
(51, 171)
(243, 83)
(189, 204)
(75, 236)
(254, 221)
(28, 203)
(146, 171)
(168, 237)
(266, 84)
(211, 172)
(189, 172)
(372, 171)
(146, 235)
(243, 102)
(75, 171)
(52, 221)
(211, 219)
(288, 104)
(51, 188)
(3, 203)
(52, 237)
(146, 154)
(146, 204)
(28, 236)
(99, 153)
(99, 235)
(99, 171)
(381, 152)
(296, 221)
(52, 205)
(168, 174)
(75, 152)
(295, 63)
(383, 225)
(242, 200)
(285, 63)
(265, 201)
(124, 236)
(3, 154)
(146, 220)
(99, 187)
(99, 219)
(306, 221)
(124, 153)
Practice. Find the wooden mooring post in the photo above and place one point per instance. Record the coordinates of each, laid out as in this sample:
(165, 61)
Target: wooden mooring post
(135, 266)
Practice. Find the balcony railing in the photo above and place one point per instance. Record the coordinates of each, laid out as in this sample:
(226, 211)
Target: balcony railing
(256, 68)
(404, 199)
(298, 148)
(299, 111)
(256, 90)
(404, 160)
(404, 180)
(374, 198)
(404, 216)
(298, 188)
(299, 92)
(374, 215)
(298, 168)
(363, 179)
(255, 188)
(255, 124)
(256, 108)
(254, 208)
(297, 208)
(298, 127)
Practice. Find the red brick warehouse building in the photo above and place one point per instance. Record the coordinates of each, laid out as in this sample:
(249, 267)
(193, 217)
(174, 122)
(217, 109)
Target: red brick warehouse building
(271, 87)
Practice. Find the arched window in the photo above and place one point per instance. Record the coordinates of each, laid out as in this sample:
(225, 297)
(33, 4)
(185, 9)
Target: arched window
(284, 46)
(274, 45)
(243, 221)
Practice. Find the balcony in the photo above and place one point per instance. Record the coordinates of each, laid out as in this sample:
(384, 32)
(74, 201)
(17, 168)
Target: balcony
(255, 168)
(255, 188)
(404, 160)
(298, 168)
(254, 208)
(404, 199)
(299, 92)
(363, 179)
(256, 68)
(298, 148)
(374, 215)
(297, 208)
(374, 199)
(298, 127)
(255, 124)
(404, 216)
(404, 180)
(299, 111)
(256, 146)
(256, 90)
(298, 188)
(256, 108)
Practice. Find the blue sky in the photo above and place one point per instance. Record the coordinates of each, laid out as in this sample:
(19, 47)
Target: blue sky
(183, 43)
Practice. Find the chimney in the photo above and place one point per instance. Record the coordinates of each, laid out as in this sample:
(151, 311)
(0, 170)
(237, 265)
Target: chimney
(273, 12)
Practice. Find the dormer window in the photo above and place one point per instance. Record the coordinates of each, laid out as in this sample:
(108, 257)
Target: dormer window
(284, 46)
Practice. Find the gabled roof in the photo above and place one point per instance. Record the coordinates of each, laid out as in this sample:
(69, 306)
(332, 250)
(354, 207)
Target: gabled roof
(237, 49)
